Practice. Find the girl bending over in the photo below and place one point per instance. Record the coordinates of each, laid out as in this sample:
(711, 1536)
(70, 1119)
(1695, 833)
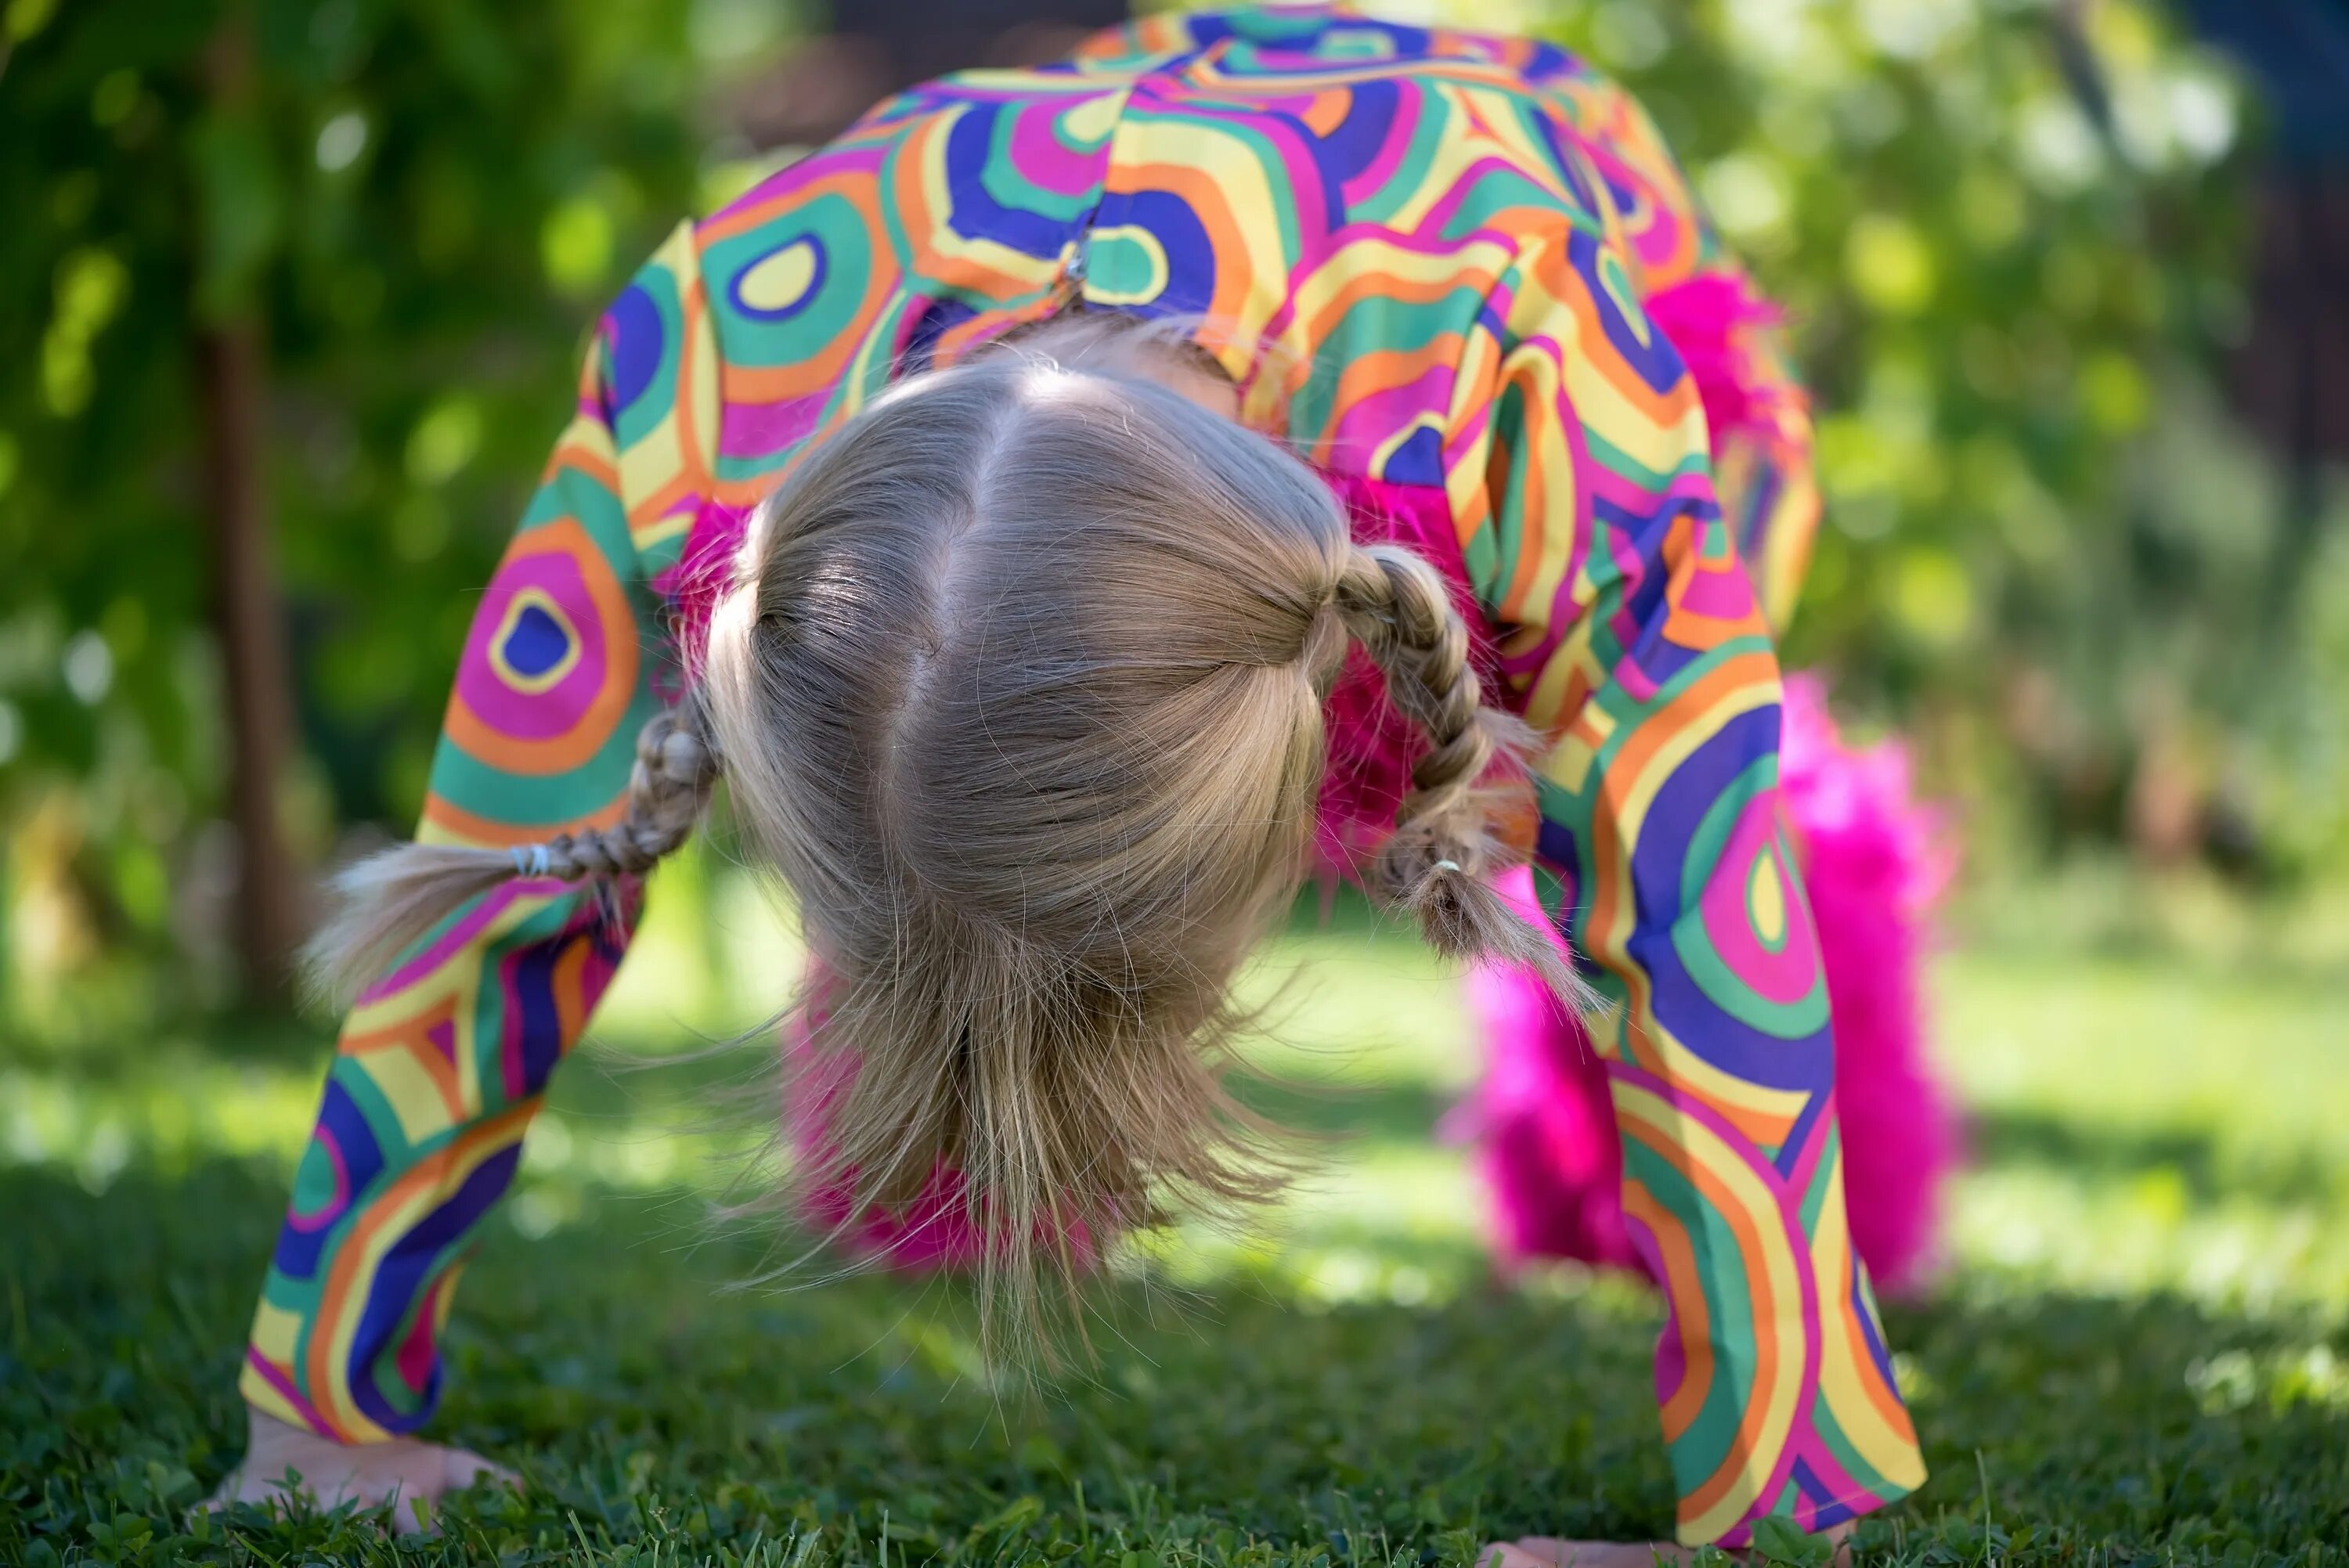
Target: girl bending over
(1064, 510)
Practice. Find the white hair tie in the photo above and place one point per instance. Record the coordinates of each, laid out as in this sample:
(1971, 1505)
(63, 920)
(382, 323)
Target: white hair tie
(530, 861)
(1447, 865)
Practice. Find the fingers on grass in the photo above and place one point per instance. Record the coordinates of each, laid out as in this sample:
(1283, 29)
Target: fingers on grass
(1550, 1551)
(1524, 1553)
(464, 1469)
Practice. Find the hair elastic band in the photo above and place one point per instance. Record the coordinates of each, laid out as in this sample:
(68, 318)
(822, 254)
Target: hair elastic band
(1447, 865)
(530, 861)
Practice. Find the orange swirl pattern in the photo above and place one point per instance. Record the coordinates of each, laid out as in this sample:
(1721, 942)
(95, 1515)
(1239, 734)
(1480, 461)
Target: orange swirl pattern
(1426, 259)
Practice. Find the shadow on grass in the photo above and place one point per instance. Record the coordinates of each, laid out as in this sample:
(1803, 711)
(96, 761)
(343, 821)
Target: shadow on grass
(1349, 1113)
(2208, 1169)
(623, 1081)
(645, 1400)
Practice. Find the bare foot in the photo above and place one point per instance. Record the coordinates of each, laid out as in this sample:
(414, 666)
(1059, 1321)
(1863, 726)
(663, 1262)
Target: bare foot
(402, 1472)
(1548, 1551)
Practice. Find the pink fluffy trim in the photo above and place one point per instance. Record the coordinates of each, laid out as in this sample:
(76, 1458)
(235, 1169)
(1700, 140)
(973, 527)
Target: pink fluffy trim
(940, 1228)
(1702, 317)
(935, 1230)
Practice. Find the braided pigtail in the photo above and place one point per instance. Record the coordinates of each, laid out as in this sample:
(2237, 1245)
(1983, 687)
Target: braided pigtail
(1438, 861)
(387, 903)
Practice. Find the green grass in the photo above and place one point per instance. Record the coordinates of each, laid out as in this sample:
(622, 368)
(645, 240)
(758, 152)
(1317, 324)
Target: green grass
(2138, 1354)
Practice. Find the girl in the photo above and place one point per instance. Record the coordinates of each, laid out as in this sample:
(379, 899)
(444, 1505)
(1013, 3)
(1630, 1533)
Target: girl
(1055, 508)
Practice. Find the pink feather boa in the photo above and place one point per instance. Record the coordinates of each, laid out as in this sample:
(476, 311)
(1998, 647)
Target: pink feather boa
(1703, 316)
(940, 1228)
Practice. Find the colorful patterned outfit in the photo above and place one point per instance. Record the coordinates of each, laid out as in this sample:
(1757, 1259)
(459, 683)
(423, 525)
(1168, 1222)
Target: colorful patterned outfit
(1423, 256)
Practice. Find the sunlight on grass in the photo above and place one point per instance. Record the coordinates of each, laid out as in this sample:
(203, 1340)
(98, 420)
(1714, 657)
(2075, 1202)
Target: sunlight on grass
(2141, 1125)
(2135, 1127)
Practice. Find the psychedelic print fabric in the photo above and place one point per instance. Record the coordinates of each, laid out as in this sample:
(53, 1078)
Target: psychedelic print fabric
(1425, 258)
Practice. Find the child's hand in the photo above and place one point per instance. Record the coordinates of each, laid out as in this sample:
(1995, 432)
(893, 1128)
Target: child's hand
(401, 1473)
(1548, 1552)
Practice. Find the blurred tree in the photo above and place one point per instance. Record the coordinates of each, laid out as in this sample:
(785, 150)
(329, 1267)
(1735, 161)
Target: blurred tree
(2292, 375)
(2008, 234)
(230, 392)
(295, 290)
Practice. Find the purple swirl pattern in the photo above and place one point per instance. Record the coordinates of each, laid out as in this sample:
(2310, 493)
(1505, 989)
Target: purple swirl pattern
(1427, 259)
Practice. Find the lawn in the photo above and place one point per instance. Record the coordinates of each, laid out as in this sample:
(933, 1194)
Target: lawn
(2139, 1352)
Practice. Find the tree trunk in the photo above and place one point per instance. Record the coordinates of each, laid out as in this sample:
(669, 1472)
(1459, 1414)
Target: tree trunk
(231, 390)
(269, 898)
(2303, 298)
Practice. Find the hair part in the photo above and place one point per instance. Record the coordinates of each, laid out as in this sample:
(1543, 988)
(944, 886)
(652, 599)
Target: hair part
(1020, 687)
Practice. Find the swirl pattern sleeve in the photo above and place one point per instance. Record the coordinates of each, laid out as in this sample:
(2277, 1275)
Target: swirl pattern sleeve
(1582, 490)
(443, 1062)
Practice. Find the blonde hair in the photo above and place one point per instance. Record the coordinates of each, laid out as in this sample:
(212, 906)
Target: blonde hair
(1019, 687)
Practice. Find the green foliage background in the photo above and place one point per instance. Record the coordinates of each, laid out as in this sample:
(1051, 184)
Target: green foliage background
(2041, 530)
